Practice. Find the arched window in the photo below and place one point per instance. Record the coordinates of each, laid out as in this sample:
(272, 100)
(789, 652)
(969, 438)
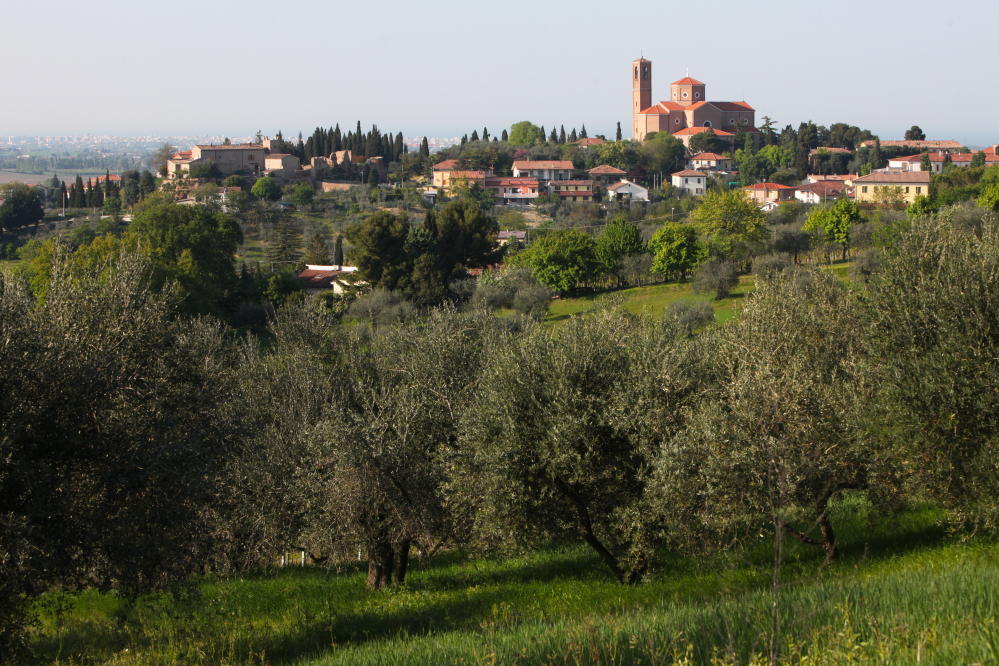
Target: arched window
(707, 123)
(645, 72)
(636, 72)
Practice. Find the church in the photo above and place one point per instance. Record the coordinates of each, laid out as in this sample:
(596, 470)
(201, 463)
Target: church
(687, 111)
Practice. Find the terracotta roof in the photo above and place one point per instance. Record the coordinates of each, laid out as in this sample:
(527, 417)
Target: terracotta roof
(605, 169)
(732, 106)
(233, 146)
(446, 165)
(311, 278)
(662, 107)
(582, 143)
(940, 157)
(824, 187)
(690, 172)
(947, 145)
(709, 156)
(543, 164)
(467, 174)
(688, 131)
(624, 183)
(495, 181)
(907, 177)
(687, 81)
(182, 154)
(768, 186)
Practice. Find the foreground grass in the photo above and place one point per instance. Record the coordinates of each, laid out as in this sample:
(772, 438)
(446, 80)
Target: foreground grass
(901, 593)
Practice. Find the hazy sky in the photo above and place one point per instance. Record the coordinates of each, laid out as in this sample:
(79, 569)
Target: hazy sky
(446, 68)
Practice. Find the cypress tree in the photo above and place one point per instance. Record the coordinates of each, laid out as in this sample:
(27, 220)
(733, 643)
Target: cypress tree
(561, 135)
(475, 135)
(63, 195)
(373, 178)
(485, 134)
(337, 139)
(505, 136)
(464, 139)
(90, 194)
(618, 131)
(338, 251)
(400, 147)
(310, 149)
(553, 138)
(876, 159)
(926, 165)
(80, 196)
(801, 157)
(582, 133)
(572, 136)
(425, 147)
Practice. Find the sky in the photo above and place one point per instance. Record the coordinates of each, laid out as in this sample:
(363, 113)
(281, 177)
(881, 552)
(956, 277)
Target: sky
(442, 69)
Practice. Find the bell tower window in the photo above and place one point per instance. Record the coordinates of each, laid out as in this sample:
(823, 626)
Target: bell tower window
(636, 72)
(645, 72)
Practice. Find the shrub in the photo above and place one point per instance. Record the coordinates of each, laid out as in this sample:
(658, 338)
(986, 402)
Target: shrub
(532, 301)
(382, 307)
(717, 277)
(864, 266)
(768, 265)
(688, 316)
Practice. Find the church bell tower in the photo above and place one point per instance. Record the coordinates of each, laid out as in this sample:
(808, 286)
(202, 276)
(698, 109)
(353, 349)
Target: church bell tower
(641, 91)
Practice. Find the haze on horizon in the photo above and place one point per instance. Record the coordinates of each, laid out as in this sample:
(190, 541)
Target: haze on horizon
(182, 68)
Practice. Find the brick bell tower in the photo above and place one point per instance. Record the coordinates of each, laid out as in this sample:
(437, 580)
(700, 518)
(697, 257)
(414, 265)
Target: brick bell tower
(641, 91)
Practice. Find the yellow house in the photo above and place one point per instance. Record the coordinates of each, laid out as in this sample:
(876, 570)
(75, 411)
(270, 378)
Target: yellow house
(892, 187)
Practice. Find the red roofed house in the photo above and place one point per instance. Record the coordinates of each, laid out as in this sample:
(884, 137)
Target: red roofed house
(606, 175)
(709, 162)
(763, 192)
(917, 145)
(318, 279)
(687, 108)
(512, 190)
(692, 182)
(543, 170)
(587, 142)
(814, 193)
(442, 173)
(908, 186)
(914, 162)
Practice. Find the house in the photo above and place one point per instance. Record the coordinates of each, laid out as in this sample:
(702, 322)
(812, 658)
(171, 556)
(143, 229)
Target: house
(317, 279)
(846, 178)
(282, 165)
(180, 161)
(709, 162)
(910, 185)
(686, 108)
(937, 160)
(918, 145)
(587, 142)
(572, 190)
(543, 170)
(690, 181)
(231, 158)
(442, 173)
(512, 190)
(814, 193)
(762, 192)
(606, 175)
(627, 191)
(505, 237)
(454, 179)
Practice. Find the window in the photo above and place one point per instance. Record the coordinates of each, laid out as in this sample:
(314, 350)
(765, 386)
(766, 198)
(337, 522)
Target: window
(636, 72)
(686, 180)
(906, 189)
(645, 72)
(697, 95)
(676, 121)
(918, 190)
(731, 121)
(674, 95)
(865, 189)
(685, 95)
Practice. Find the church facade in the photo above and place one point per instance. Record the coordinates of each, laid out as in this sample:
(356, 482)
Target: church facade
(686, 112)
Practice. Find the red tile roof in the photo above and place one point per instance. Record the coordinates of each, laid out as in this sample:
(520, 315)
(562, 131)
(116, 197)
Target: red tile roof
(572, 182)
(944, 145)
(709, 156)
(605, 169)
(543, 164)
(687, 81)
(524, 181)
(690, 172)
(768, 186)
(233, 146)
(907, 177)
(446, 165)
(732, 106)
(319, 279)
(688, 131)
(662, 108)
(582, 143)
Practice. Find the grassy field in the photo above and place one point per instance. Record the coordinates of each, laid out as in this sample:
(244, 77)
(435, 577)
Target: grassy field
(904, 592)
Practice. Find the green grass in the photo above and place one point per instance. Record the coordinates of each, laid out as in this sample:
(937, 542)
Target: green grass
(901, 588)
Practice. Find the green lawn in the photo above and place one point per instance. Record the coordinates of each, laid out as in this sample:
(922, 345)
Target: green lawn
(901, 589)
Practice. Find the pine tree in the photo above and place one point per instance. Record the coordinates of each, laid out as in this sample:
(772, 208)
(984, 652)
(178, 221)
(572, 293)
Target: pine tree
(876, 159)
(553, 138)
(425, 147)
(506, 137)
(582, 133)
(475, 135)
(925, 165)
(338, 251)
(284, 243)
(561, 135)
(317, 252)
(572, 136)
(618, 131)
(373, 178)
(464, 139)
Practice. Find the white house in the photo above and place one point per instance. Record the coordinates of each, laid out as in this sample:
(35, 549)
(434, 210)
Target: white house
(690, 181)
(627, 191)
(709, 162)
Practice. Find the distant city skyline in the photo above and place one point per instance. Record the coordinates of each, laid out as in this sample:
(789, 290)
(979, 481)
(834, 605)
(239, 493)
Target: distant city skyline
(448, 68)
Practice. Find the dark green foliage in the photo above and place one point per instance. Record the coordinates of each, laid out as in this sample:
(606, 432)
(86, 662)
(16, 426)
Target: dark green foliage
(284, 243)
(338, 251)
(914, 134)
(21, 207)
(378, 249)
(717, 277)
(116, 431)
(317, 251)
(768, 266)
(204, 169)
(617, 135)
(265, 188)
(708, 142)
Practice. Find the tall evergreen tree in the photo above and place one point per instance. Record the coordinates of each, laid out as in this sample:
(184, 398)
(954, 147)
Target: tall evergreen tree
(464, 139)
(505, 136)
(553, 138)
(475, 135)
(337, 139)
(425, 147)
(801, 157)
(485, 134)
(338, 251)
(81, 196)
(618, 131)
(561, 135)
(400, 147)
(582, 132)
(876, 159)
(572, 136)
(63, 195)
(90, 194)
